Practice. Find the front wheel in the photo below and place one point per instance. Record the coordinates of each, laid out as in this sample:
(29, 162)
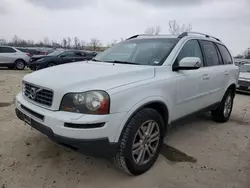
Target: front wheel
(51, 64)
(223, 112)
(140, 142)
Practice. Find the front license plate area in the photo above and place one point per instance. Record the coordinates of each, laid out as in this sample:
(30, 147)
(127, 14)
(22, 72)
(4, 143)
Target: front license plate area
(27, 119)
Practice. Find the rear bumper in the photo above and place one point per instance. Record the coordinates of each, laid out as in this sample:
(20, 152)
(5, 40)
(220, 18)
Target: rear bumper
(100, 147)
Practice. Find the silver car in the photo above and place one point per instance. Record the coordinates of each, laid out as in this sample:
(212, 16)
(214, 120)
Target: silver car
(13, 58)
(244, 78)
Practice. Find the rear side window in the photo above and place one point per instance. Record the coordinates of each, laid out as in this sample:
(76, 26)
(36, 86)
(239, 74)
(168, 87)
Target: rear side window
(227, 59)
(190, 49)
(210, 52)
(7, 50)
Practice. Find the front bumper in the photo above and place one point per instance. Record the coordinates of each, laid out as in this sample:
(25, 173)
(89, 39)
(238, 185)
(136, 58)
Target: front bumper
(243, 86)
(95, 147)
(54, 122)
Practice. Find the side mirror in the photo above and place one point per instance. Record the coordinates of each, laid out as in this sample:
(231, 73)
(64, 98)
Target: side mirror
(62, 56)
(188, 63)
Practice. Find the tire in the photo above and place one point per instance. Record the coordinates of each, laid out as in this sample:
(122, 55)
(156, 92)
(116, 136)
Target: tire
(20, 64)
(224, 110)
(130, 137)
(51, 64)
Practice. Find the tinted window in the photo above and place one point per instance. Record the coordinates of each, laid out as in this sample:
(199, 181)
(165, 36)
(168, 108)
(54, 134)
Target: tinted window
(190, 49)
(79, 54)
(68, 54)
(227, 59)
(210, 53)
(7, 50)
(139, 51)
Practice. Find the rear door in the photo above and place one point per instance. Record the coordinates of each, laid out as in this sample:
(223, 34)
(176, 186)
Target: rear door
(7, 55)
(229, 70)
(215, 69)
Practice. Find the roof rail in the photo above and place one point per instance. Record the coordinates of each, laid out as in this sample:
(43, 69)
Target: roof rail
(135, 36)
(196, 33)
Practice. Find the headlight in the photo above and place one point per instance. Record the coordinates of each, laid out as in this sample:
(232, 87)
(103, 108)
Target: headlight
(90, 102)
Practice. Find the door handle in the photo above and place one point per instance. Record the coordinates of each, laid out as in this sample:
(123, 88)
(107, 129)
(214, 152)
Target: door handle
(226, 72)
(205, 77)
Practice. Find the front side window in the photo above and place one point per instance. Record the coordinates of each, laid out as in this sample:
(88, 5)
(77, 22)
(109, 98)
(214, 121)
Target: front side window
(190, 49)
(227, 59)
(139, 51)
(7, 50)
(210, 52)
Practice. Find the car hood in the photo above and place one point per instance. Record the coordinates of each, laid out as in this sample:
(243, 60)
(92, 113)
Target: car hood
(83, 76)
(244, 75)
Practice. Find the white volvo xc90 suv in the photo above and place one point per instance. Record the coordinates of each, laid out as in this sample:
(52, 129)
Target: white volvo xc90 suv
(121, 103)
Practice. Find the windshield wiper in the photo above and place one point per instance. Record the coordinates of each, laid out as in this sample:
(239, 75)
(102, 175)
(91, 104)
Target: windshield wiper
(123, 62)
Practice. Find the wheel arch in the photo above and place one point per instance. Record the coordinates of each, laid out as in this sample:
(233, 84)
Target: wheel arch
(233, 88)
(159, 105)
(20, 59)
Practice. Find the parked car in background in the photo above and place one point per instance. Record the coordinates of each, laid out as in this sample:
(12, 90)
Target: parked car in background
(13, 58)
(122, 103)
(58, 57)
(35, 51)
(244, 78)
(32, 51)
(238, 61)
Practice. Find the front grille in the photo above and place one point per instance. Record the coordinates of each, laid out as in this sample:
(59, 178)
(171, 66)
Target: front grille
(244, 83)
(37, 94)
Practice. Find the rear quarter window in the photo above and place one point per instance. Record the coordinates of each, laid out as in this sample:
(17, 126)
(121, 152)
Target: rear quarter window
(227, 59)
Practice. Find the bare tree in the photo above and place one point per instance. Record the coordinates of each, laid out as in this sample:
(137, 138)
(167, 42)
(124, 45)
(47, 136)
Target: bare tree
(64, 42)
(95, 43)
(155, 30)
(176, 28)
(247, 53)
(69, 42)
(15, 40)
(3, 42)
(77, 44)
(46, 41)
(112, 43)
(82, 44)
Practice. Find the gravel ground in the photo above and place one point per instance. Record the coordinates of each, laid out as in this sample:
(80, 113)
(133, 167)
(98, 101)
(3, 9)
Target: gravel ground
(200, 153)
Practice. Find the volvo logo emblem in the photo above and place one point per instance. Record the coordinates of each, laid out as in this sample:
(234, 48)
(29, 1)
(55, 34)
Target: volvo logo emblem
(33, 93)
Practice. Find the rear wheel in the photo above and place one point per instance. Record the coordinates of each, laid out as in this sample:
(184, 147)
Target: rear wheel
(140, 142)
(19, 64)
(224, 110)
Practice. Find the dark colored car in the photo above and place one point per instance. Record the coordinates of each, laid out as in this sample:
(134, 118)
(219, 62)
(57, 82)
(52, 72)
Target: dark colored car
(59, 57)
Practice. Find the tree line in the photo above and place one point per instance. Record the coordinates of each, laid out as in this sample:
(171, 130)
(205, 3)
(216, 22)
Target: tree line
(94, 43)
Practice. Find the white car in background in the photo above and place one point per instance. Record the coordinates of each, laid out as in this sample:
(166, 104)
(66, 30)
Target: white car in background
(122, 102)
(244, 78)
(13, 58)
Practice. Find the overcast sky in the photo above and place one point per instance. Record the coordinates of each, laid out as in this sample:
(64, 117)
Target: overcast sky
(108, 20)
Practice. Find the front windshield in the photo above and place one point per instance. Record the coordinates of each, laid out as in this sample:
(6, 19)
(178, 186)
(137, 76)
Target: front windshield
(245, 68)
(139, 51)
(56, 52)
